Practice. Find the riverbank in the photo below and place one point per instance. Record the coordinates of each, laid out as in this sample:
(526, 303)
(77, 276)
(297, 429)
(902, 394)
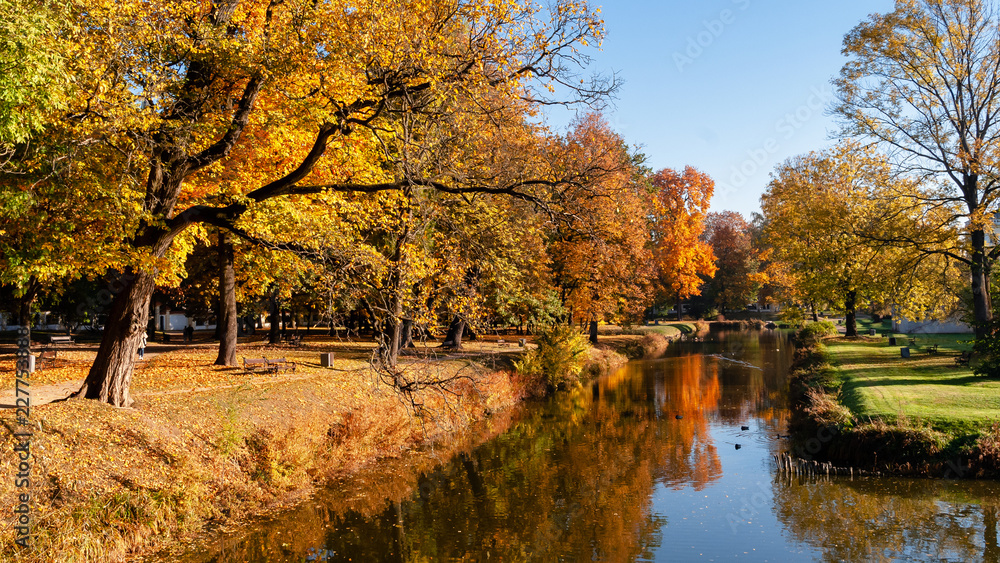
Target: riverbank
(207, 448)
(858, 403)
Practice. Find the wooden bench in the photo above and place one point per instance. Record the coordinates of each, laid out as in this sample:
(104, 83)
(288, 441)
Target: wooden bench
(933, 349)
(257, 365)
(45, 358)
(55, 339)
(963, 358)
(281, 365)
(295, 340)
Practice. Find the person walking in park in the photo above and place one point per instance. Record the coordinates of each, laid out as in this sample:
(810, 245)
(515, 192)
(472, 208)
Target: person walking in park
(142, 344)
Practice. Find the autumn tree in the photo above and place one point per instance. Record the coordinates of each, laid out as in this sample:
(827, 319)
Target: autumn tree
(168, 102)
(824, 214)
(738, 276)
(677, 210)
(33, 83)
(32, 66)
(924, 81)
(599, 248)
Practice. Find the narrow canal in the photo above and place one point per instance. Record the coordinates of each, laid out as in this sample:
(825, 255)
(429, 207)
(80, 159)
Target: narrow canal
(666, 460)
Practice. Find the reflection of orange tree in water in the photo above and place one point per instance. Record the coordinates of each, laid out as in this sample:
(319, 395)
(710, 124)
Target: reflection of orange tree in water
(692, 391)
(689, 388)
(891, 519)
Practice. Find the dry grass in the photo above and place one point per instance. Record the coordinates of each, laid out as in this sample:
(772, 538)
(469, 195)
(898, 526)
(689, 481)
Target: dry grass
(207, 445)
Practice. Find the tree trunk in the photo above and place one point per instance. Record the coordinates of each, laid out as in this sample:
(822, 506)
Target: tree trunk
(593, 331)
(392, 341)
(406, 337)
(25, 301)
(110, 376)
(679, 315)
(982, 307)
(273, 335)
(814, 313)
(850, 313)
(454, 337)
(227, 301)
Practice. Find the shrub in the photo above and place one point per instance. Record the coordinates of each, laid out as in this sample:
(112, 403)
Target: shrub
(813, 332)
(987, 450)
(559, 358)
(988, 348)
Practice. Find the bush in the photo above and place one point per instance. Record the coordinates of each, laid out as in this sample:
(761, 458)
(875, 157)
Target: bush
(988, 349)
(813, 332)
(559, 358)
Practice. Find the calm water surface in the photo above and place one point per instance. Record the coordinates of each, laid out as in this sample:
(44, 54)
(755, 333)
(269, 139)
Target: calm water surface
(649, 464)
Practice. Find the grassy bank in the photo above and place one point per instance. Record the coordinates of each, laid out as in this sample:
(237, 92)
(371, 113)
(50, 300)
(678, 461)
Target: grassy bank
(928, 387)
(857, 402)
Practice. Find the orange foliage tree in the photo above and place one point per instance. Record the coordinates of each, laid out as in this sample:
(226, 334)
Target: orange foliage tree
(601, 263)
(678, 212)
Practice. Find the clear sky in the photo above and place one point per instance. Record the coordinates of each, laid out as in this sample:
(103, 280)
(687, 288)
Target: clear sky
(731, 87)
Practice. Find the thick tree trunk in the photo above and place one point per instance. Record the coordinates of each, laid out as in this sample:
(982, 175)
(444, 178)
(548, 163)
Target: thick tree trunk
(593, 331)
(227, 301)
(406, 336)
(454, 337)
(850, 313)
(814, 313)
(110, 376)
(982, 306)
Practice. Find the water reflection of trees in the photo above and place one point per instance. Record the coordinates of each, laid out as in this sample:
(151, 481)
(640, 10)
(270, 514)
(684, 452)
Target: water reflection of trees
(891, 520)
(572, 481)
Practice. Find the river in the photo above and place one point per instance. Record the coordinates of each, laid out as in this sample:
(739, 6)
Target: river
(665, 460)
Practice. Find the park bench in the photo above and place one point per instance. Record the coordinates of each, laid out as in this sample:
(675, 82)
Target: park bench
(56, 339)
(933, 349)
(281, 365)
(295, 340)
(257, 365)
(45, 358)
(963, 358)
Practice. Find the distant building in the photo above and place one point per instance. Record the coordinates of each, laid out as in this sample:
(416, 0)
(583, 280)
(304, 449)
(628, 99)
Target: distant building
(953, 326)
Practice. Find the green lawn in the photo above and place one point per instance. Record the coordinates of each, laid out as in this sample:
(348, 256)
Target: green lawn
(926, 387)
(670, 330)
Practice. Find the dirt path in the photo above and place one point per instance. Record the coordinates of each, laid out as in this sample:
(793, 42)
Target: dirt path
(45, 394)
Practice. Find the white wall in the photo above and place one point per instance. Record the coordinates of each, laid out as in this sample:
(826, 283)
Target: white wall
(932, 327)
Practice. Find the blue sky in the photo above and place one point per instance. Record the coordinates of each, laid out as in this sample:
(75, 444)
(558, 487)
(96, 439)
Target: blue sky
(732, 87)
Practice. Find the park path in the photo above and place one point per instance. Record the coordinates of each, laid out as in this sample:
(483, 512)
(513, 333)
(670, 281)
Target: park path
(45, 394)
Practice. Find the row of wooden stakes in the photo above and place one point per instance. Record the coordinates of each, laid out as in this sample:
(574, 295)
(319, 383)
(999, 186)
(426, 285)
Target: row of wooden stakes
(796, 466)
